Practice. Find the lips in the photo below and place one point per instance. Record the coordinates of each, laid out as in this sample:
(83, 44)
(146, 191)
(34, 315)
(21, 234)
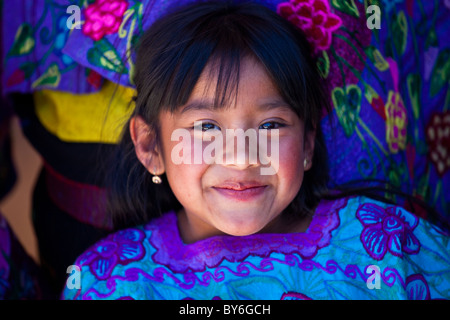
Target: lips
(242, 191)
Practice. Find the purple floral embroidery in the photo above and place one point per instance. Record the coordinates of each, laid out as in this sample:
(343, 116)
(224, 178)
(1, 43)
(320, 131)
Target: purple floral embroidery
(389, 229)
(417, 288)
(122, 248)
(214, 298)
(294, 296)
(210, 253)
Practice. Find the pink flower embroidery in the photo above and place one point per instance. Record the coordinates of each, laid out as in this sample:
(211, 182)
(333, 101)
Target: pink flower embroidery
(314, 18)
(104, 17)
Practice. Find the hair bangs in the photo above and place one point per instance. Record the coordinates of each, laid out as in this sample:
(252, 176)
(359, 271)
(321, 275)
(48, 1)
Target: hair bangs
(214, 45)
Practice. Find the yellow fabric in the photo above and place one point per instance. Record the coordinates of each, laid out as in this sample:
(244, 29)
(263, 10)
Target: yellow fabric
(96, 117)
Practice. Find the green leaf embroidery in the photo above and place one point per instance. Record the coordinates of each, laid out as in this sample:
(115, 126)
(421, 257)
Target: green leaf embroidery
(346, 6)
(347, 105)
(50, 78)
(28, 69)
(441, 72)
(23, 42)
(323, 64)
(397, 174)
(414, 84)
(104, 55)
(423, 187)
(432, 39)
(400, 31)
(377, 58)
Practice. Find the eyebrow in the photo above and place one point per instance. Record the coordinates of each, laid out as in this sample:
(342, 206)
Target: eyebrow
(196, 105)
(265, 105)
(274, 104)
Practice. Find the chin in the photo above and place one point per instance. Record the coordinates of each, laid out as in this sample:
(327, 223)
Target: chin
(240, 229)
(243, 222)
(239, 233)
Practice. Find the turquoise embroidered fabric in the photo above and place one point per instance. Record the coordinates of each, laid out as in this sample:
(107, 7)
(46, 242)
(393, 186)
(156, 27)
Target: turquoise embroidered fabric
(354, 248)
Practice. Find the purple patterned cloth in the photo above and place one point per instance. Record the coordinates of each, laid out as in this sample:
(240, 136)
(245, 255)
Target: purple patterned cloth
(334, 258)
(20, 277)
(198, 257)
(34, 35)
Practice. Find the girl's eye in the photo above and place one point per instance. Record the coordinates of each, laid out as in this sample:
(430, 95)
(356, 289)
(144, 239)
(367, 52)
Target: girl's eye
(271, 125)
(209, 126)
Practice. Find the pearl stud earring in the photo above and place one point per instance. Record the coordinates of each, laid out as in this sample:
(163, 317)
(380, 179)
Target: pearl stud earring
(156, 179)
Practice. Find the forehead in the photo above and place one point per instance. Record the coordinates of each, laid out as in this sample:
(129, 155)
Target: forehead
(254, 92)
(223, 85)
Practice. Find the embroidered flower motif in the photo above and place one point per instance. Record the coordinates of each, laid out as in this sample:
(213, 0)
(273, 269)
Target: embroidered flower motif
(314, 18)
(417, 288)
(104, 17)
(389, 229)
(396, 122)
(438, 139)
(122, 248)
(294, 296)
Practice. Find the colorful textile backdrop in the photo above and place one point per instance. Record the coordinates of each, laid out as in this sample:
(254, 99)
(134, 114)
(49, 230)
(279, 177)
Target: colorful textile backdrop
(389, 86)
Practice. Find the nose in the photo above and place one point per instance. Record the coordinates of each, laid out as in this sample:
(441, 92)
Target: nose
(241, 148)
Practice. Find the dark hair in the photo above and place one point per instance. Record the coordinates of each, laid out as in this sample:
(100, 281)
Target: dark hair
(170, 57)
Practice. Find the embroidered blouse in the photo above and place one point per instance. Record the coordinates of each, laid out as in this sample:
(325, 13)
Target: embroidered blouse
(354, 248)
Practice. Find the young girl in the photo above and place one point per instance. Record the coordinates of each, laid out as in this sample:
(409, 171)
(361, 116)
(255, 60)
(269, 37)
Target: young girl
(221, 229)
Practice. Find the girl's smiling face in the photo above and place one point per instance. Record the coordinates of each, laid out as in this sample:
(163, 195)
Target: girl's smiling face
(233, 197)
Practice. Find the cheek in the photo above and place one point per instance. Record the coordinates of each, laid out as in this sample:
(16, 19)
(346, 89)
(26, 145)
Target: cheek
(184, 179)
(290, 173)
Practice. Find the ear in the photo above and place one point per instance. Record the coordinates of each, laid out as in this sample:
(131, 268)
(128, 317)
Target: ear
(308, 149)
(146, 146)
